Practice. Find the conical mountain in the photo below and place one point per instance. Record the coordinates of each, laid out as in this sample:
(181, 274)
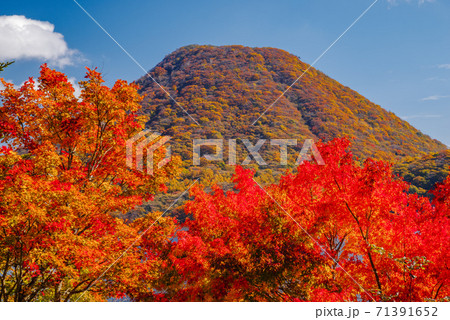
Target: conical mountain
(227, 88)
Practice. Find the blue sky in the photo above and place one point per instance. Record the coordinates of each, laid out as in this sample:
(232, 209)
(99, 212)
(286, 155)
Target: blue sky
(397, 55)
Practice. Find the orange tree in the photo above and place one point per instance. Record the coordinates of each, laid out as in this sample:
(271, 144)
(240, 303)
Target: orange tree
(338, 232)
(64, 185)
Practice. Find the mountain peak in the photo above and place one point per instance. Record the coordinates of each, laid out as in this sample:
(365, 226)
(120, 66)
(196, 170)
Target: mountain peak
(227, 88)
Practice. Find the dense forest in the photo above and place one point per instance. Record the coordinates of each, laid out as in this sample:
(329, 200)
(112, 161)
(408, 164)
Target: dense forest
(348, 230)
(226, 89)
(424, 172)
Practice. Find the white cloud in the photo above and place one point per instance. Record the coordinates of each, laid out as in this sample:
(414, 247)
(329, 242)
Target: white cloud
(2, 87)
(75, 85)
(421, 116)
(434, 98)
(420, 2)
(72, 80)
(444, 66)
(436, 79)
(17, 87)
(23, 38)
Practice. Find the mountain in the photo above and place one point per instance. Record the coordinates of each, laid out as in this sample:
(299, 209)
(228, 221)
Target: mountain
(227, 88)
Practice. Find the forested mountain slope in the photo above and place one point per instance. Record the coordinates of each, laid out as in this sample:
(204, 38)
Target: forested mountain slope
(227, 88)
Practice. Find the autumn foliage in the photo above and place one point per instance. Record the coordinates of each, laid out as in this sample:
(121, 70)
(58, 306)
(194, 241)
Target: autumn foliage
(424, 172)
(64, 186)
(339, 232)
(227, 88)
(342, 231)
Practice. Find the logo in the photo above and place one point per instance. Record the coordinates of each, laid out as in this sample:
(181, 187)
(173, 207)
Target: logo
(253, 150)
(145, 143)
(148, 141)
